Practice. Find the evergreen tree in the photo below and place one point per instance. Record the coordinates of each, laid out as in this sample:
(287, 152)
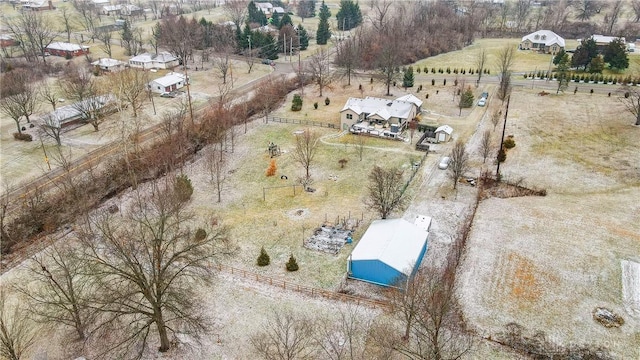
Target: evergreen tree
(407, 80)
(562, 69)
(286, 20)
(466, 100)
(254, 14)
(349, 16)
(616, 55)
(596, 65)
(275, 20)
(127, 37)
(324, 33)
(263, 259)
(292, 264)
(269, 48)
(585, 52)
(303, 37)
(559, 56)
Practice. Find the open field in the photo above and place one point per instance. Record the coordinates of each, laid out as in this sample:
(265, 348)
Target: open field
(548, 262)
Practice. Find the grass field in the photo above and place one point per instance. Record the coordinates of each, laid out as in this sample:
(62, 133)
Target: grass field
(547, 262)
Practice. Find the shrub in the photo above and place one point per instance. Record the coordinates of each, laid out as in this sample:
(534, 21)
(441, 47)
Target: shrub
(183, 187)
(327, 101)
(201, 234)
(296, 103)
(418, 70)
(342, 163)
(22, 136)
(271, 170)
(502, 155)
(509, 143)
(292, 264)
(315, 105)
(263, 259)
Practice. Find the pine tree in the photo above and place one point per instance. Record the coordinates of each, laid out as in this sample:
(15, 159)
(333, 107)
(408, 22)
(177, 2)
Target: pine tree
(286, 20)
(616, 55)
(254, 14)
(263, 259)
(407, 80)
(324, 33)
(296, 104)
(275, 20)
(303, 37)
(466, 100)
(559, 56)
(349, 16)
(292, 264)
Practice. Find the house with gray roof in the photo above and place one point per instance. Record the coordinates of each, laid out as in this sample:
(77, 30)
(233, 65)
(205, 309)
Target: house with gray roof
(545, 41)
(168, 83)
(161, 60)
(377, 116)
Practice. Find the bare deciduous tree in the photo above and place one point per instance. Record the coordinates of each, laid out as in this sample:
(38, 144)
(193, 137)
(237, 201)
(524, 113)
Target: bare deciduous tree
(385, 191)
(359, 142)
(129, 86)
(236, 10)
(16, 331)
(104, 36)
(48, 94)
(348, 56)
(459, 162)
(612, 17)
(12, 109)
(485, 145)
(180, 36)
(344, 339)
(388, 60)
(285, 337)
(67, 22)
(216, 166)
(481, 61)
(147, 265)
(505, 64)
(88, 96)
(305, 151)
(495, 118)
(34, 31)
(319, 67)
(60, 296)
(52, 128)
(631, 101)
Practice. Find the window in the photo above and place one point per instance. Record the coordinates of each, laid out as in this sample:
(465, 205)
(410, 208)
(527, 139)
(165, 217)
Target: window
(349, 117)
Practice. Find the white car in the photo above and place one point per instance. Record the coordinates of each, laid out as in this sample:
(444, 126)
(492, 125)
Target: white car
(482, 102)
(444, 163)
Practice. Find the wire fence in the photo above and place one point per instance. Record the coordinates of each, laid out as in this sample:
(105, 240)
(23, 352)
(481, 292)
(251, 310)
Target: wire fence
(302, 122)
(308, 290)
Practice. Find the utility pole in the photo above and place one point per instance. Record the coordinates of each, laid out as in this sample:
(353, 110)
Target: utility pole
(186, 76)
(504, 127)
(250, 54)
(291, 49)
(284, 46)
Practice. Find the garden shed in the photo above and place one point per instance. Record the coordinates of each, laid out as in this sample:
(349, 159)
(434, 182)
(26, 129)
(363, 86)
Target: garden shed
(443, 133)
(389, 252)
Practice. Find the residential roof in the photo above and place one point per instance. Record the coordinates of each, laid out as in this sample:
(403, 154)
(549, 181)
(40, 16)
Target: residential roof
(278, 9)
(546, 37)
(395, 242)
(162, 57)
(383, 107)
(63, 46)
(445, 128)
(412, 99)
(112, 7)
(106, 62)
(73, 111)
(170, 79)
(602, 39)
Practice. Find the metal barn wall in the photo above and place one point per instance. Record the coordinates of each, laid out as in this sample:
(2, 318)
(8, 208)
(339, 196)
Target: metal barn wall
(374, 271)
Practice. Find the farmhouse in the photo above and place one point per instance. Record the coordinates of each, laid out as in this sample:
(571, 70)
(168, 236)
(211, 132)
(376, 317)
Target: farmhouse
(66, 50)
(267, 8)
(378, 116)
(545, 41)
(111, 9)
(443, 133)
(108, 65)
(602, 41)
(162, 60)
(389, 252)
(170, 82)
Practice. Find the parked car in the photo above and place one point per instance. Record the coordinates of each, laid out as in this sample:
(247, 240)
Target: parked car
(485, 95)
(482, 102)
(268, 62)
(444, 163)
(168, 95)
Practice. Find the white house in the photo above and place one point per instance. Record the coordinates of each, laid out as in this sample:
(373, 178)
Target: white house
(109, 65)
(412, 99)
(543, 41)
(111, 9)
(163, 60)
(170, 82)
(389, 252)
(377, 116)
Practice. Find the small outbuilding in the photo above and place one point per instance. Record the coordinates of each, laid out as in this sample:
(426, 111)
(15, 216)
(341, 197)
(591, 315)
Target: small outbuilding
(108, 65)
(389, 252)
(443, 133)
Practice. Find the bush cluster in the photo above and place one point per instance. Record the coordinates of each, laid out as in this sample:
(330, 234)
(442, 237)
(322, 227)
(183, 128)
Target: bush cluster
(22, 136)
(509, 143)
(296, 104)
(183, 187)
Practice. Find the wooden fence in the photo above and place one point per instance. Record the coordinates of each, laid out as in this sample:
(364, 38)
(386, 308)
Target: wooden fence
(302, 122)
(286, 285)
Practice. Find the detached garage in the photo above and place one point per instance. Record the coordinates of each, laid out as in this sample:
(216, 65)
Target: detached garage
(389, 252)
